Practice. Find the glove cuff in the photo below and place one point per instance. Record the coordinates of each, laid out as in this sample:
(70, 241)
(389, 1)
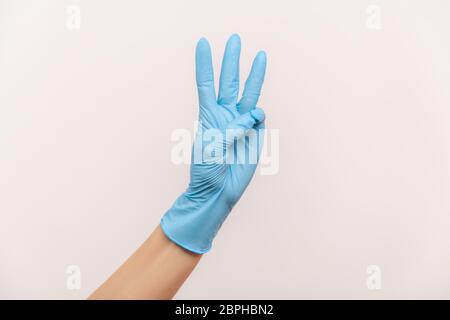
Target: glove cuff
(193, 224)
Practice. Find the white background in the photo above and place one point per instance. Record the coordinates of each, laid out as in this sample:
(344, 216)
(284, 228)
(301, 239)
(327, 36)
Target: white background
(86, 118)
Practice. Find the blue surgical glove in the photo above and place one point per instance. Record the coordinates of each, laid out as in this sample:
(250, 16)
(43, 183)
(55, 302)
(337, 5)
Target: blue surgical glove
(217, 179)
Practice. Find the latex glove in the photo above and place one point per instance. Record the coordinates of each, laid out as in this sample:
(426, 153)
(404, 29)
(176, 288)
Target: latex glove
(217, 185)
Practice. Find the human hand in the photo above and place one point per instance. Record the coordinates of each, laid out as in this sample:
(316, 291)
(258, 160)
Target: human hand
(222, 169)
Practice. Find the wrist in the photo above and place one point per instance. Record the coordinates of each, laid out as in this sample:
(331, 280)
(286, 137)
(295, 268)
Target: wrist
(193, 222)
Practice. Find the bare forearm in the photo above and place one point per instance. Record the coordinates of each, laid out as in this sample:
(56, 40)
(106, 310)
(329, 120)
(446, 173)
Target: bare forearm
(159, 267)
(155, 271)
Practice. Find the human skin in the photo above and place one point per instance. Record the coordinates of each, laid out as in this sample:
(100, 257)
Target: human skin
(156, 270)
(159, 266)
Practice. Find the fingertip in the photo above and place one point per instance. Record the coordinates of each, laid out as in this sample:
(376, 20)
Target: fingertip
(235, 37)
(261, 55)
(259, 64)
(203, 50)
(260, 59)
(234, 41)
(203, 44)
(258, 114)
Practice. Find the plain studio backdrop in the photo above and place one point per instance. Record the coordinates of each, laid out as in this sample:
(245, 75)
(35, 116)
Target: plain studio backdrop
(91, 92)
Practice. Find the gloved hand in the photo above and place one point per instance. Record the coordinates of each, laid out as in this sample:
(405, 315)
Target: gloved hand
(218, 179)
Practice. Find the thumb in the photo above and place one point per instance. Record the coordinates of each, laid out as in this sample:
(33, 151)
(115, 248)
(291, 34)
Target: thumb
(239, 126)
(247, 120)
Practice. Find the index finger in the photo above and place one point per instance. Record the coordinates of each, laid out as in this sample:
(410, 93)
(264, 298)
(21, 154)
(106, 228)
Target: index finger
(253, 85)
